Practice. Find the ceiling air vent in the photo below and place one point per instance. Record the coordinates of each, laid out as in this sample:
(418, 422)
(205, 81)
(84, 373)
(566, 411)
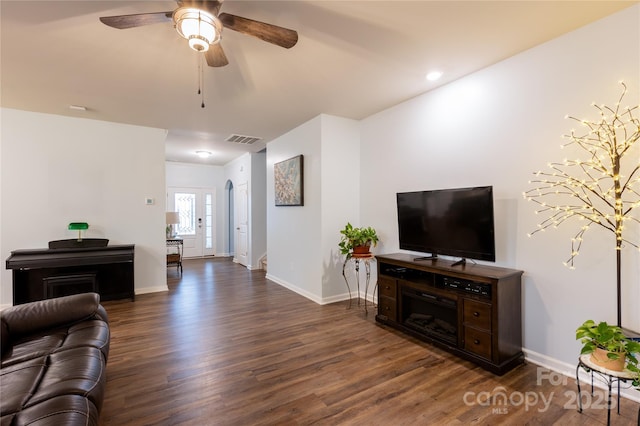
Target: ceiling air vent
(241, 139)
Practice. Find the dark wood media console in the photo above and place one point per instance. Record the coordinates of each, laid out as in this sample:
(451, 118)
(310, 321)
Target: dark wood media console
(473, 311)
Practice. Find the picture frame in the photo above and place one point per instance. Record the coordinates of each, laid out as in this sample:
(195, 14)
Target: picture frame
(289, 182)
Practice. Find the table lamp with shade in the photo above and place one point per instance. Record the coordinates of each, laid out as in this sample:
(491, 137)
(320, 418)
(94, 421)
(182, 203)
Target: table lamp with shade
(78, 226)
(173, 218)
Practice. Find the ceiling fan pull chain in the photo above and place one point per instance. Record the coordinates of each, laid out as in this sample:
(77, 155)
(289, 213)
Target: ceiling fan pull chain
(201, 80)
(199, 74)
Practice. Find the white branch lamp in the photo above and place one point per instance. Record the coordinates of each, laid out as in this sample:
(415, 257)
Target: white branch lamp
(173, 218)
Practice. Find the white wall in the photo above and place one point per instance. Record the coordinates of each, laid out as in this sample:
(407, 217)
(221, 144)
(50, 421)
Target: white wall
(303, 241)
(258, 207)
(294, 237)
(340, 201)
(57, 170)
(189, 175)
(496, 127)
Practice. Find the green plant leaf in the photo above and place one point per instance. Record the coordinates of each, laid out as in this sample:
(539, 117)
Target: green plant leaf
(613, 355)
(587, 348)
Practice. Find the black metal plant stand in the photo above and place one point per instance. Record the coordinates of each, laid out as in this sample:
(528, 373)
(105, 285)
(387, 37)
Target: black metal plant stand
(608, 377)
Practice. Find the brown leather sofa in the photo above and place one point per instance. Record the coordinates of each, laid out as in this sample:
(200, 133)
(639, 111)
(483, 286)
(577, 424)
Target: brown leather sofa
(54, 356)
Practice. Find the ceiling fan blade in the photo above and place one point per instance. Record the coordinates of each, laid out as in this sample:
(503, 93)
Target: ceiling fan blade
(270, 33)
(215, 56)
(122, 22)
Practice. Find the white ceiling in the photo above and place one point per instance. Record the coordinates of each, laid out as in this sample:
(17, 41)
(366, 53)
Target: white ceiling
(353, 58)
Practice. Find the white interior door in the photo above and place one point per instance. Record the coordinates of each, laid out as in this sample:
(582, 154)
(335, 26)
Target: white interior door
(242, 223)
(196, 208)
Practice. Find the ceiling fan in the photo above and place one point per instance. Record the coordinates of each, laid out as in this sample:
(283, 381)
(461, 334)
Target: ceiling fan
(200, 22)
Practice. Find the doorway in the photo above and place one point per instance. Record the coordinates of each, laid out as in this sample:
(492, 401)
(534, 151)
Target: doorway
(196, 208)
(231, 219)
(241, 204)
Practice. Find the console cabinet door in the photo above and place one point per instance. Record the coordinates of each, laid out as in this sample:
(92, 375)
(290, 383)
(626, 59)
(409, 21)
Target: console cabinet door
(477, 314)
(477, 342)
(387, 300)
(387, 287)
(477, 327)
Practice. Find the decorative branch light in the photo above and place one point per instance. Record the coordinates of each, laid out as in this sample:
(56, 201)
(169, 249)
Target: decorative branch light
(603, 189)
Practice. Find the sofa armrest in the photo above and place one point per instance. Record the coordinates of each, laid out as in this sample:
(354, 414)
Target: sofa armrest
(31, 317)
(101, 314)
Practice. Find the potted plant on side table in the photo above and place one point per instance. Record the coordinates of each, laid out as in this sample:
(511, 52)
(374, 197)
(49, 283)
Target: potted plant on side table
(609, 347)
(357, 241)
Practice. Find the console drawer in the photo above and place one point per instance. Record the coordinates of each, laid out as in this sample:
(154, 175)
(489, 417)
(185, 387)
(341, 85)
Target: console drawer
(387, 307)
(478, 342)
(477, 314)
(387, 287)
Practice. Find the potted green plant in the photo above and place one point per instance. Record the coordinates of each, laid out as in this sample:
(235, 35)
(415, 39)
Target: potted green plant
(636, 379)
(609, 347)
(357, 240)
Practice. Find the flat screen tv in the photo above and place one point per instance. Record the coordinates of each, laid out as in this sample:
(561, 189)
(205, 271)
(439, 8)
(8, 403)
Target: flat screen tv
(450, 222)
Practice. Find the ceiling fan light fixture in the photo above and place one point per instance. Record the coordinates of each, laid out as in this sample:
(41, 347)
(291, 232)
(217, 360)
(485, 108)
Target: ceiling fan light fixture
(198, 43)
(199, 27)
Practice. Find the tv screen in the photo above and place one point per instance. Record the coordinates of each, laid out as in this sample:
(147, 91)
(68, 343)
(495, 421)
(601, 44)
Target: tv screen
(451, 222)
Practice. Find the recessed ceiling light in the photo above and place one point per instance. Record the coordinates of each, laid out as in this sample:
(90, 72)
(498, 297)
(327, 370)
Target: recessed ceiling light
(434, 75)
(203, 154)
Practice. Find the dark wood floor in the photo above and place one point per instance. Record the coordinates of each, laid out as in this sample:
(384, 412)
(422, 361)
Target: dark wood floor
(225, 346)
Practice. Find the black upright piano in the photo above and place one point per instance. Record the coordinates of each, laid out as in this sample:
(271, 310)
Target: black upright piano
(46, 273)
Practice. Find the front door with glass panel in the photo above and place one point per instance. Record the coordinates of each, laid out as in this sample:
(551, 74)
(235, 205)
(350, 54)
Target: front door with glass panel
(196, 208)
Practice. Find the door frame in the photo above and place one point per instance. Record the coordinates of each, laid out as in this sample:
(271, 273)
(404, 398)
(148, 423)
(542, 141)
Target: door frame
(241, 220)
(200, 238)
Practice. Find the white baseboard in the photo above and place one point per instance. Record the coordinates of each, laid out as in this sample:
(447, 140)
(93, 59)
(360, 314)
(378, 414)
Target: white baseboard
(295, 289)
(550, 363)
(145, 290)
(334, 299)
(315, 298)
(569, 370)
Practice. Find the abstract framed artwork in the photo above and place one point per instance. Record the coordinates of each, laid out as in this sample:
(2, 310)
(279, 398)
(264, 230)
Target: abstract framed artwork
(288, 180)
